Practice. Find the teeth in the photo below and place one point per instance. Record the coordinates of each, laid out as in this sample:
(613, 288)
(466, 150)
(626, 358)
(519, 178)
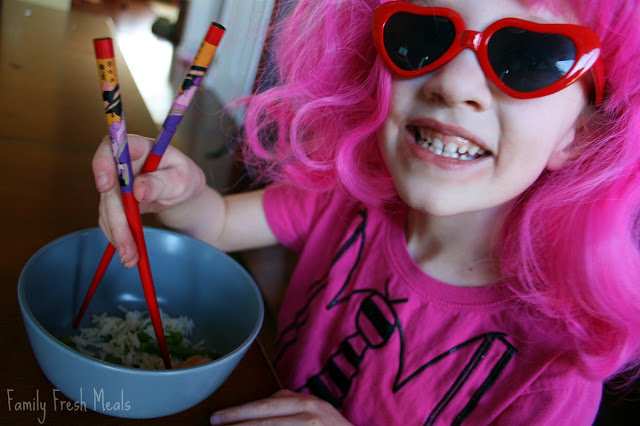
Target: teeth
(434, 149)
(473, 150)
(451, 148)
(433, 141)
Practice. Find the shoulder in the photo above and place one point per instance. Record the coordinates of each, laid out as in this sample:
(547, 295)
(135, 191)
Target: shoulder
(294, 212)
(545, 384)
(556, 396)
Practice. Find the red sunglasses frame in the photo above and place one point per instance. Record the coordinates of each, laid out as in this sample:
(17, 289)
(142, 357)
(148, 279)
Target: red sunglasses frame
(586, 41)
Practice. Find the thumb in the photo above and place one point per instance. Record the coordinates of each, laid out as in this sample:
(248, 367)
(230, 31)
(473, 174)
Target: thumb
(169, 186)
(147, 188)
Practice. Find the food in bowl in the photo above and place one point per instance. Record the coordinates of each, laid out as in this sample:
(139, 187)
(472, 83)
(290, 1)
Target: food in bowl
(128, 339)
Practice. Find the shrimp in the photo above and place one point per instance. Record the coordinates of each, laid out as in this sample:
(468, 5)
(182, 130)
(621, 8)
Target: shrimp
(194, 361)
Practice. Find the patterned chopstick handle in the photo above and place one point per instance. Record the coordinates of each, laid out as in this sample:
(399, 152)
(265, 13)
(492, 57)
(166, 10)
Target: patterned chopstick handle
(189, 86)
(112, 100)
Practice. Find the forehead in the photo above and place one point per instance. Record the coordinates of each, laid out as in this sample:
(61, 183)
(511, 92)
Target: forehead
(551, 11)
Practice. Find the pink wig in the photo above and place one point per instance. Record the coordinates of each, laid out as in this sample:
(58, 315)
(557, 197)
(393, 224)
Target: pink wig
(317, 126)
(571, 246)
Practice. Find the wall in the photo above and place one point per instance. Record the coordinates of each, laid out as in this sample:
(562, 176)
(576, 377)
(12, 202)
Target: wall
(233, 72)
(55, 4)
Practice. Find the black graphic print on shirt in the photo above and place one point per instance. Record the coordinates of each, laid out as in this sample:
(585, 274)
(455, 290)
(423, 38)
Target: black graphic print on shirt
(374, 324)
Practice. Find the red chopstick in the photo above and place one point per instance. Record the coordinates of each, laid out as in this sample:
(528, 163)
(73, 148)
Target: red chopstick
(117, 131)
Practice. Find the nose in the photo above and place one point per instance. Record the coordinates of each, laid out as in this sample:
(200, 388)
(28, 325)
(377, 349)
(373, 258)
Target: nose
(461, 81)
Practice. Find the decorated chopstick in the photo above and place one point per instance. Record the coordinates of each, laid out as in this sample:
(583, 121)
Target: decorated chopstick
(190, 84)
(120, 147)
(183, 99)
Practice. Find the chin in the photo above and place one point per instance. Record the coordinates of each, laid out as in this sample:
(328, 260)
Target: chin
(436, 205)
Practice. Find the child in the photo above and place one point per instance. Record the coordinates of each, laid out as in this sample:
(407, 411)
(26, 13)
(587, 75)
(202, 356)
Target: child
(466, 223)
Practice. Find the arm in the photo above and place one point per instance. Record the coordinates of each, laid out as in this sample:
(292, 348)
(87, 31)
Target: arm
(178, 193)
(231, 223)
(544, 408)
(554, 401)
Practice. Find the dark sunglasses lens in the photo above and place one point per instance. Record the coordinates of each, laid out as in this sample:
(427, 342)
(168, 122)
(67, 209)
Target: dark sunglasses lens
(526, 61)
(413, 42)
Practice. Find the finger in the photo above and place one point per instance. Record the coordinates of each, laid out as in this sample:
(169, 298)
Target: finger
(103, 224)
(275, 406)
(119, 233)
(103, 161)
(139, 149)
(104, 170)
(169, 186)
(293, 420)
(112, 219)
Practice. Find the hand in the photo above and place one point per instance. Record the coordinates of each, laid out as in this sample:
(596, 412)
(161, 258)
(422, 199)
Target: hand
(177, 179)
(283, 408)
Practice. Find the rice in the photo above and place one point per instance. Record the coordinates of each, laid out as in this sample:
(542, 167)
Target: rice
(130, 340)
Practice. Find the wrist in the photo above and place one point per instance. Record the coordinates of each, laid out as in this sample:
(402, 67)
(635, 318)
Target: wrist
(195, 216)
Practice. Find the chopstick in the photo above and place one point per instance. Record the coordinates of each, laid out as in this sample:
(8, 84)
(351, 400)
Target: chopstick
(120, 147)
(182, 101)
(190, 84)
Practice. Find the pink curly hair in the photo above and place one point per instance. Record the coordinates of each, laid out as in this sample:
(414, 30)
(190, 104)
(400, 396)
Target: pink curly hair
(571, 246)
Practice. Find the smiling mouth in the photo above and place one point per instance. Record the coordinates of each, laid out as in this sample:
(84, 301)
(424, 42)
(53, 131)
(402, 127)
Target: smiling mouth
(447, 145)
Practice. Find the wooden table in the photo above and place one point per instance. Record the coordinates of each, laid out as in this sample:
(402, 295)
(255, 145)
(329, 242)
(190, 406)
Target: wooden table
(51, 121)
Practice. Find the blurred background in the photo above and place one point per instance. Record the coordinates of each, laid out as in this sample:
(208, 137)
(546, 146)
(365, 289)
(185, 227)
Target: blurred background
(159, 38)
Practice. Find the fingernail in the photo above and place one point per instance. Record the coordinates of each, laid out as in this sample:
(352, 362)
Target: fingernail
(121, 253)
(216, 419)
(145, 191)
(101, 181)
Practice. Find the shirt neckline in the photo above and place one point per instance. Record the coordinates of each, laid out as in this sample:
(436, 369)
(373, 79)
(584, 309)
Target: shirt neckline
(398, 254)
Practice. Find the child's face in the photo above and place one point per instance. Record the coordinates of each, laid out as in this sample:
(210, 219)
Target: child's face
(459, 106)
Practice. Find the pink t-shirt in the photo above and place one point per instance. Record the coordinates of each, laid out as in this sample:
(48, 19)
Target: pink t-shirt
(363, 327)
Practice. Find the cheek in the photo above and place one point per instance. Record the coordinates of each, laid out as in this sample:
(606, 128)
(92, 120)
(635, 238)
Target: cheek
(538, 134)
(402, 95)
(388, 135)
(404, 92)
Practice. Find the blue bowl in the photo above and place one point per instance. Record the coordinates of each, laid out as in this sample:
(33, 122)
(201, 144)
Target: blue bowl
(191, 278)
